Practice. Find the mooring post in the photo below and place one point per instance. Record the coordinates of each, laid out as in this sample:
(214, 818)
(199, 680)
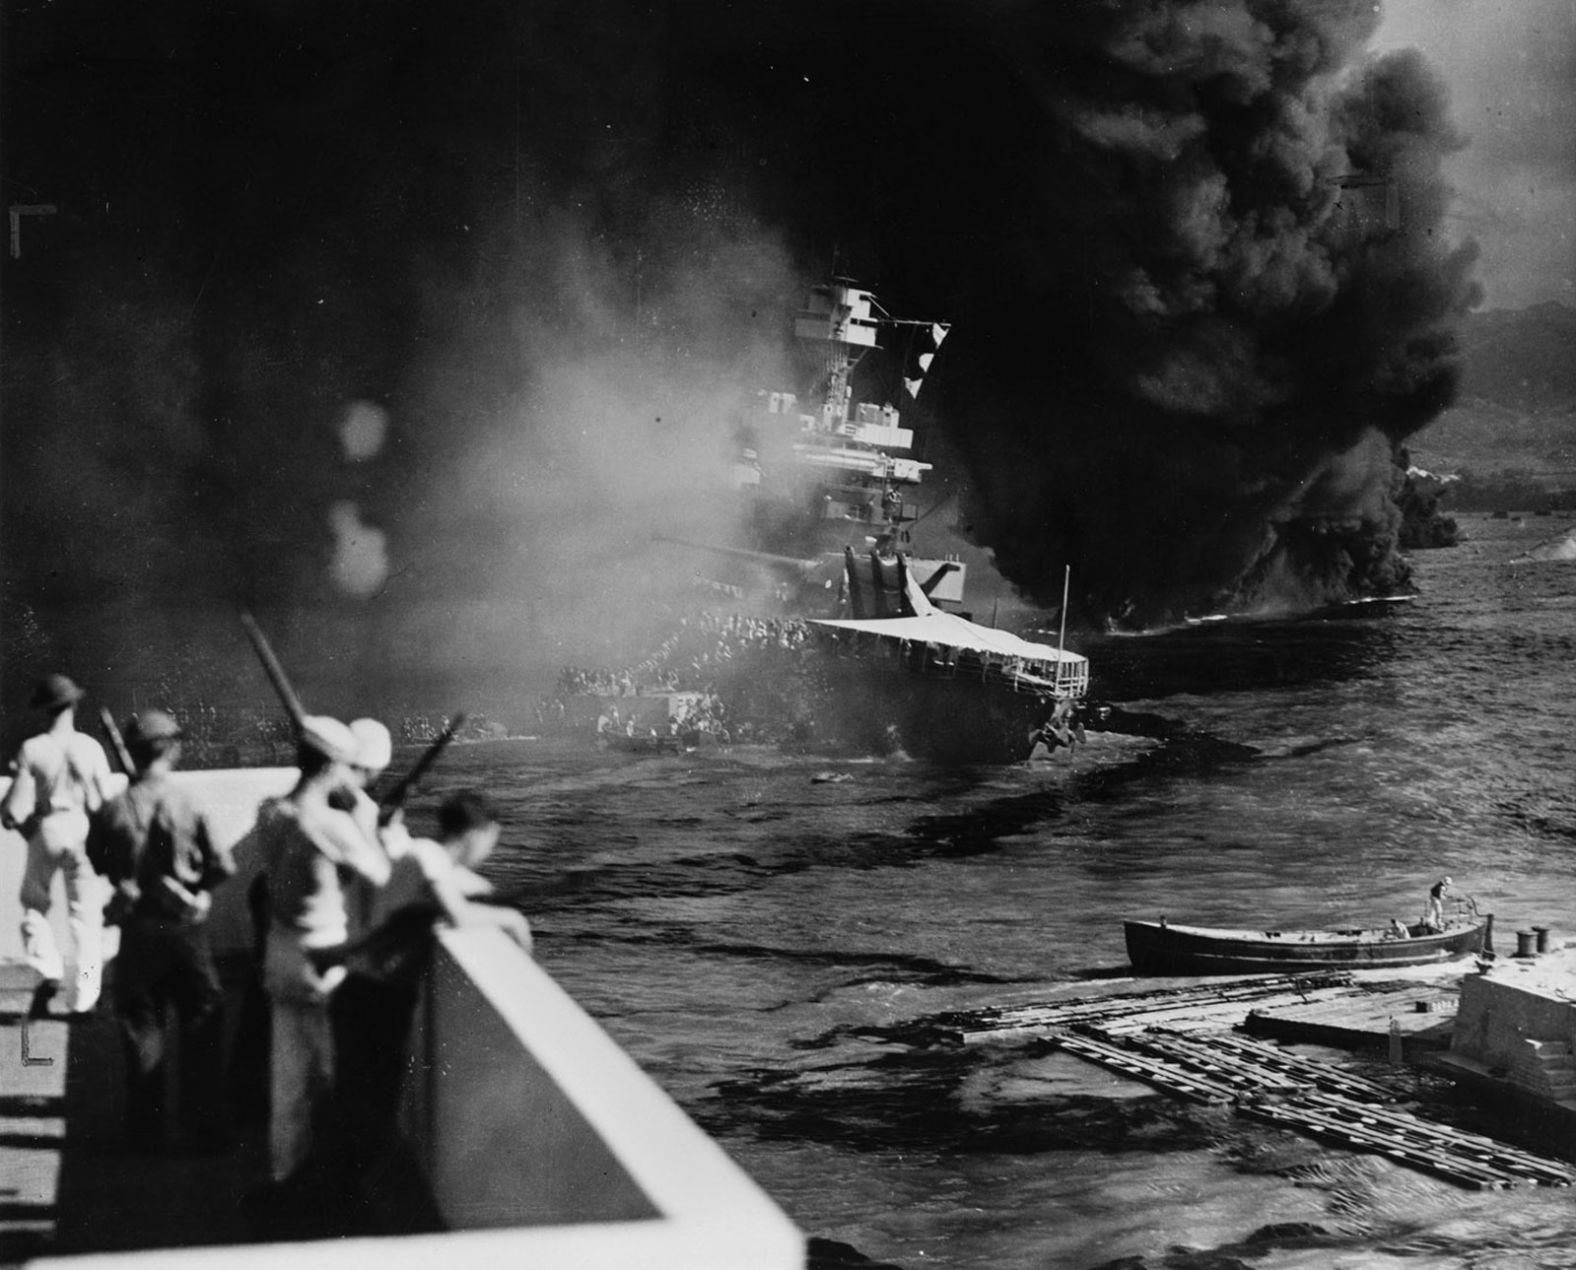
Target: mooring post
(1395, 1041)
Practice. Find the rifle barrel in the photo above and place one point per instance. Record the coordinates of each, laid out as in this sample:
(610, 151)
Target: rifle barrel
(117, 741)
(274, 671)
(422, 765)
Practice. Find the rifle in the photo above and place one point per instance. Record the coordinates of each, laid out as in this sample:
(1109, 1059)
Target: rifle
(192, 903)
(275, 672)
(395, 798)
(117, 743)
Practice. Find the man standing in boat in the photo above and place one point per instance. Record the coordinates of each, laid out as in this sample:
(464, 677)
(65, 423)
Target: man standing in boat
(1434, 913)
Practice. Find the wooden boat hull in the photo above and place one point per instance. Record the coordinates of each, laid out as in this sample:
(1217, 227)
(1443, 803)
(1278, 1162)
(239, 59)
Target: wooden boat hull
(1156, 948)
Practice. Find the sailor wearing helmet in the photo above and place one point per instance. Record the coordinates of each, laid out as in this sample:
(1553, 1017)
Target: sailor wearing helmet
(156, 848)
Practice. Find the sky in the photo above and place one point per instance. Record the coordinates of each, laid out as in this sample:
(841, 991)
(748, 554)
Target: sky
(1511, 70)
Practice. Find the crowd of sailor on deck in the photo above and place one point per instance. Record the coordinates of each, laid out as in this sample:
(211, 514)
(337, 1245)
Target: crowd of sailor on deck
(698, 648)
(701, 653)
(344, 905)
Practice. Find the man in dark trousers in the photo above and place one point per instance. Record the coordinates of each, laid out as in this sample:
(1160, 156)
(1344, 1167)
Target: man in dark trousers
(156, 848)
(431, 884)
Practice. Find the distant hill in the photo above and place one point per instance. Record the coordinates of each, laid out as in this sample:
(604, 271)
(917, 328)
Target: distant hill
(1517, 408)
(1522, 357)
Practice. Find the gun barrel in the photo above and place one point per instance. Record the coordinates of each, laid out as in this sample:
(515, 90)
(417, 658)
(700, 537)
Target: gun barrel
(793, 564)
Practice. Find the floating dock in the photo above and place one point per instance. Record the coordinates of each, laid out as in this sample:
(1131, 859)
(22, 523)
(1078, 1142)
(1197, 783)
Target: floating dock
(1186, 1038)
(1184, 1005)
(1467, 1159)
(1423, 1015)
(1314, 1098)
(1337, 1007)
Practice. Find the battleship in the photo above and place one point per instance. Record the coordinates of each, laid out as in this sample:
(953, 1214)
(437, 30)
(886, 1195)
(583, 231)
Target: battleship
(860, 640)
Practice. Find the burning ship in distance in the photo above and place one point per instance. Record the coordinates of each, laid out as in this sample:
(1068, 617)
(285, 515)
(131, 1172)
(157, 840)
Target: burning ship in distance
(885, 657)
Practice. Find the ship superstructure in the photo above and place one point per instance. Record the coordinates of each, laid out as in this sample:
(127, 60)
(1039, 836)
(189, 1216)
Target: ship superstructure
(880, 655)
(823, 473)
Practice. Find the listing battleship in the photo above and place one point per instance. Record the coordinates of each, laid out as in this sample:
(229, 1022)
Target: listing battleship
(887, 657)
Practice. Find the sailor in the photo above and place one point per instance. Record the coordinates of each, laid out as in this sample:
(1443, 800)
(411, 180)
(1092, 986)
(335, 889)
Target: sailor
(59, 777)
(1434, 913)
(156, 848)
(374, 753)
(431, 884)
(308, 848)
(1058, 731)
(374, 750)
(1062, 716)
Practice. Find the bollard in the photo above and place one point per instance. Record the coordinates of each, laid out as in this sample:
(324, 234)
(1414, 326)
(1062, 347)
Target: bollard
(1526, 944)
(1395, 1041)
(1542, 932)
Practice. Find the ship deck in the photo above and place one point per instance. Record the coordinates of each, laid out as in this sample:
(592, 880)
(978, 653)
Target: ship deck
(534, 1140)
(71, 1184)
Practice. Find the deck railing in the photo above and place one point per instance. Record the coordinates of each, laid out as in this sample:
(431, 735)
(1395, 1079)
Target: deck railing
(542, 1142)
(1068, 677)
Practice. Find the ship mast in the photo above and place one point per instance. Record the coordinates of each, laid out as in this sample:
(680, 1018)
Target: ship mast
(837, 328)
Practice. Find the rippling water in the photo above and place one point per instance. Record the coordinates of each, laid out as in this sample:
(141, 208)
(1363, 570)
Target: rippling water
(748, 929)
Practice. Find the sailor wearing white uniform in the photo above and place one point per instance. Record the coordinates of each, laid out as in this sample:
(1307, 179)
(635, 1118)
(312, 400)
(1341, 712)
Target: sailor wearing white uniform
(308, 849)
(59, 777)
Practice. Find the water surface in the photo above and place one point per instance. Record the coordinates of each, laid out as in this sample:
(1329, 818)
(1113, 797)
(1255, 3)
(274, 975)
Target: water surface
(751, 932)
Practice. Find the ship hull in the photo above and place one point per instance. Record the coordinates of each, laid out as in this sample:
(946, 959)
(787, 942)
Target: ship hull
(876, 708)
(1159, 948)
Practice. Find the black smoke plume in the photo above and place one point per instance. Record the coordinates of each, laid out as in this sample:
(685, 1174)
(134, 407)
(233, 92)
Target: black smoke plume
(406, 325)
(1231, 303)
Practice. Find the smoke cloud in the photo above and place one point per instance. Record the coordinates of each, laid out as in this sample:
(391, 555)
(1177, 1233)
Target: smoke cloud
(408, 329)
(1220, 342)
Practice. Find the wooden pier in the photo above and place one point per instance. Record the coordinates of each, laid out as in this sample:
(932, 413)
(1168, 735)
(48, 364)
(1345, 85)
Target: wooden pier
(1186, 1039)
(1468, 1159)
(1335, 1008)
(1314, 1098)
(1191, 1004)
(1424, 1015)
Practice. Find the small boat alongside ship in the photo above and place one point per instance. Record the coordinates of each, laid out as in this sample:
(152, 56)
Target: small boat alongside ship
(1164, 948)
